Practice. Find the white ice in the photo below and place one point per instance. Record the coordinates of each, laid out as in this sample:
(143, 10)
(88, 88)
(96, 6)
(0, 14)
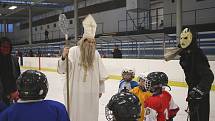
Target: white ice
(56, 84)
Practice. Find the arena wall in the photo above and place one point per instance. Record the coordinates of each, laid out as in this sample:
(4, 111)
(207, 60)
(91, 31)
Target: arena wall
(115, 66)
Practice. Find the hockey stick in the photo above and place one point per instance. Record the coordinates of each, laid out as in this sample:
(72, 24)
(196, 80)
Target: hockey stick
(170, 53)
(188, 113)
(193, 111)
(64, 26)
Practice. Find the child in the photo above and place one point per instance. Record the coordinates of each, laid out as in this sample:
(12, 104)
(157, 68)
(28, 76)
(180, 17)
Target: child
(33, 87)
(160, 106)
(141, 93)
(123, 106)
(127, 82)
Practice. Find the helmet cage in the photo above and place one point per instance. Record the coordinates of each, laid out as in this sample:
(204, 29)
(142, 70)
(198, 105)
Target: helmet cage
(128, 71)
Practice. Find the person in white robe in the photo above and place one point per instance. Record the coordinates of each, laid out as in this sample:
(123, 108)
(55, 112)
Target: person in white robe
(86, 75)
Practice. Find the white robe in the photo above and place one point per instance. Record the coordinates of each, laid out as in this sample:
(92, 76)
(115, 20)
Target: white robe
(84, 95)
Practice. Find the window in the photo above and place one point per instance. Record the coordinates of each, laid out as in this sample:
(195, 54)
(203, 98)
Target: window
(35, 28)
(71, 22)
(47, 26)
(41, 27)
(9, 27)
(1, 27)
(54, 24)
(173, 1)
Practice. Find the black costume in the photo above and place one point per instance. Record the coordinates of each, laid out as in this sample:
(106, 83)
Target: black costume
(199, 78)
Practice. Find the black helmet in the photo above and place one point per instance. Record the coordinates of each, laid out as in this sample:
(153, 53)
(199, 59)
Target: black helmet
(32, 85)
(123, 106)
(158, 79)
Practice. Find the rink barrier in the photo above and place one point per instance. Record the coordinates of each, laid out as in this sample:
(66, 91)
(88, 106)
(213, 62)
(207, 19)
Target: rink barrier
(112, 77)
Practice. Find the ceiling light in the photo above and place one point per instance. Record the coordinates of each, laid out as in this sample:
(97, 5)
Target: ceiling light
(12, 7)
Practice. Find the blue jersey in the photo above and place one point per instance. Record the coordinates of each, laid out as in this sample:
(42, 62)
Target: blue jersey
(45, 110)
(2, 106)
(128, 85)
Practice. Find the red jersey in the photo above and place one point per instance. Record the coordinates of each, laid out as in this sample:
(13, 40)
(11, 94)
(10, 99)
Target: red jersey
(160, 107)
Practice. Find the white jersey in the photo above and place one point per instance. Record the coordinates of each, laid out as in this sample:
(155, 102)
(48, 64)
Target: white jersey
(150, 114)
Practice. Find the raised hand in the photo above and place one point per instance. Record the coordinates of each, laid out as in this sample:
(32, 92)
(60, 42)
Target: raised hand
(65, 52)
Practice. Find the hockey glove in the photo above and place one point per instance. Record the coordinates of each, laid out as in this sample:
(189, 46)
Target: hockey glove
(195, 94)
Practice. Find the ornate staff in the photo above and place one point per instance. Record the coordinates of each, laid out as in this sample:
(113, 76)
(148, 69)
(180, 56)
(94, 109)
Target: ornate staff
(64, 26)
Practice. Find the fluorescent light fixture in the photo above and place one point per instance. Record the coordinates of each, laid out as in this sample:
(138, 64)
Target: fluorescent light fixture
(154, 23)
(12, 7)
(0, 14)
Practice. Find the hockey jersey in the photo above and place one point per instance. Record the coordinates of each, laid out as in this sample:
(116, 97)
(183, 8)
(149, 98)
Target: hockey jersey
(142, 97)
(2, 106)
(45, 110)
(128, 85)
(160, 107)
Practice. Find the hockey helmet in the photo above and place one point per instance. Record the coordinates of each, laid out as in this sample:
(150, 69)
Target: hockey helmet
(123, 106)
(142, 76)
(32, 85)
(129, 70)
(156, 80)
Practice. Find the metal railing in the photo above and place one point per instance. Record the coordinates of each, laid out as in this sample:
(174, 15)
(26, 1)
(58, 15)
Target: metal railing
(158, 21)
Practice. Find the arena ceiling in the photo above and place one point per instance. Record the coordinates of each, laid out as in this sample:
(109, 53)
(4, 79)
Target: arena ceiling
(38, 7)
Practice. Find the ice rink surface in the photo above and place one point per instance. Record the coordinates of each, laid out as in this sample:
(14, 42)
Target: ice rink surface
(56, 84)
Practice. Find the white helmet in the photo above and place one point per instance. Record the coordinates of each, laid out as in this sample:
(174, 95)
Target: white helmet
(129, 70)
(142, 76)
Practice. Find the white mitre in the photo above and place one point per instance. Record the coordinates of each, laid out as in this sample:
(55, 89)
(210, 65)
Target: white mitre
(89, 25)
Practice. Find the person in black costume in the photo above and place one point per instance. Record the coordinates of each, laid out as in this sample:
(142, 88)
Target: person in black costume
(9, 72)
(198, 76)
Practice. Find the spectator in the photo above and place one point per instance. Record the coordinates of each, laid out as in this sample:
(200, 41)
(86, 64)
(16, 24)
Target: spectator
(117, 52)
(46, 35)
(30, 54)
(9, 72)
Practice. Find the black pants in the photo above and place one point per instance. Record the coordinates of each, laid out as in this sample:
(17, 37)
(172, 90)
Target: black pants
(200, 110)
